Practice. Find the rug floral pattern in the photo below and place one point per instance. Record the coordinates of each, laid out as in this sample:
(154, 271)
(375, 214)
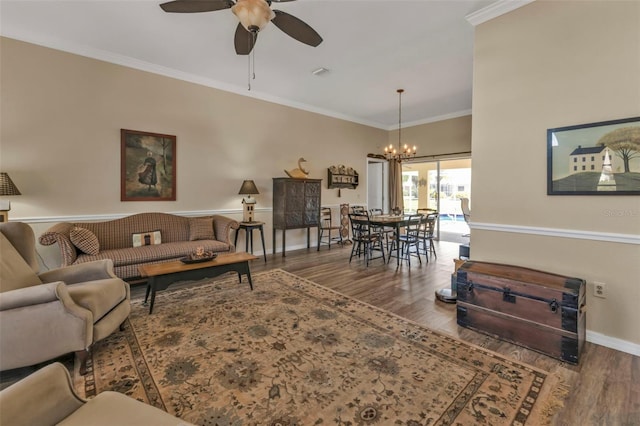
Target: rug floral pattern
(292, 352)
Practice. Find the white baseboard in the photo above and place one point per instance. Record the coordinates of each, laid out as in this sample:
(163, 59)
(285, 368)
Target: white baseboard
(613, 343)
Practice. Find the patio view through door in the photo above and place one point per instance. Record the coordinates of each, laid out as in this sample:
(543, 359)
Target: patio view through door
(439, 185)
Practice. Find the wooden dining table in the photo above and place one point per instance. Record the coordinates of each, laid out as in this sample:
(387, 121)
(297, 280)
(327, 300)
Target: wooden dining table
(396, 222)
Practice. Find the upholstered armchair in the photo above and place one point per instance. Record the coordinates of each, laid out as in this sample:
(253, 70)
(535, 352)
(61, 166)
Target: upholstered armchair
(43, 316)
(47, 398)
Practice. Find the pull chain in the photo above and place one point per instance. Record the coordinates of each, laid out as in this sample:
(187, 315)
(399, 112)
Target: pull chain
(249, 72)
(251, 66)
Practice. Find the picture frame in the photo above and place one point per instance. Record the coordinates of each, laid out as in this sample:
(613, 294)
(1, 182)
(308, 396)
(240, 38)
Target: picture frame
(147, 166)
(600, 158)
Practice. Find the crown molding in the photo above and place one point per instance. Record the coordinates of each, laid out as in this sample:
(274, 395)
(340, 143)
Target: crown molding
(431, 119)
(129, 62)
(494, 10)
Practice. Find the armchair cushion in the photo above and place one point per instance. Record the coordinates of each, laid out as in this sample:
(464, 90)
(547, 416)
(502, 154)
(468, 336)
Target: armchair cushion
(15, 273)
(113, 408)
(99, 296)
(85, 240)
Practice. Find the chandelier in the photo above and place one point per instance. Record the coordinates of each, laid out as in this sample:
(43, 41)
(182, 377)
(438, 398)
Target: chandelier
(403, 152)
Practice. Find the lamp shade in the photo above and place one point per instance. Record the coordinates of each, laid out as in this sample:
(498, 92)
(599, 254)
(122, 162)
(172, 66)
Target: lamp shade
(7, 187)
(248, 188)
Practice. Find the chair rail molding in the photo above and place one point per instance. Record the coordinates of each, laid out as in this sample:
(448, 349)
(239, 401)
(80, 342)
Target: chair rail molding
(100, 217)
(558, 232)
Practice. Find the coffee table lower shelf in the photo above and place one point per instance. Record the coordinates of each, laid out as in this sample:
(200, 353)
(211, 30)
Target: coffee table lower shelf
(162, 275)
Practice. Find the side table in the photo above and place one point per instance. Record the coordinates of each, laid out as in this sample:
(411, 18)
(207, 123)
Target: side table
(248, 230)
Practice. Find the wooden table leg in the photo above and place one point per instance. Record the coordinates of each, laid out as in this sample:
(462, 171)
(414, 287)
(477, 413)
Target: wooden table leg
(273, 242)
(264, 250)
(152, 285)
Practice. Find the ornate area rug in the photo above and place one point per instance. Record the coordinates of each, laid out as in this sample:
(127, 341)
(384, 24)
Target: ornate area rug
(292, 352)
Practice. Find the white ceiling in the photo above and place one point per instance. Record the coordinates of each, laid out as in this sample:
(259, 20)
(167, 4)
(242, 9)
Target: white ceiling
(371, 48)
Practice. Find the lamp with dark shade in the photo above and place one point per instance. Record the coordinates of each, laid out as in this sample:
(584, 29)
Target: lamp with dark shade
(7, 187)
(248, 188)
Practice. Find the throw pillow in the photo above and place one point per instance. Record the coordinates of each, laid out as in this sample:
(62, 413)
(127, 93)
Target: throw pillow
(148, 238)
(201, 228)
(85, 240)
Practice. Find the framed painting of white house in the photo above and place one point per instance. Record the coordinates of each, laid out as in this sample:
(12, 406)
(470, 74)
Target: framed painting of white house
(594, 159)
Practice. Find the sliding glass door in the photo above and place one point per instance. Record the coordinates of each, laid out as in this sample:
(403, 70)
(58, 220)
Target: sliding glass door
(439, 185)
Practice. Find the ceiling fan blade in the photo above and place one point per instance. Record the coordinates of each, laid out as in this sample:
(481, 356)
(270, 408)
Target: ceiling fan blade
(244, 40)
(296, 28)
(195, 6)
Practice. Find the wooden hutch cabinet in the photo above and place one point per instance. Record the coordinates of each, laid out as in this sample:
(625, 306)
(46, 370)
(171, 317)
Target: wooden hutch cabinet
(296, 205)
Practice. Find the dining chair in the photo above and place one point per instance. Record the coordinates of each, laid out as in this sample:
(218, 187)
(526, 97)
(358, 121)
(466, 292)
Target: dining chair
(359, 210)
(408, 240)
(384, 231)
(365, 239)
(427, 232)
(327, 228)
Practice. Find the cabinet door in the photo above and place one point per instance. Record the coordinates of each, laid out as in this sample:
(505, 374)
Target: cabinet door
(312, 203)
(294, 206)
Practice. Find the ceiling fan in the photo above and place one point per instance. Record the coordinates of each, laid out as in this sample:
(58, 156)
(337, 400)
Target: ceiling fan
(254, 15)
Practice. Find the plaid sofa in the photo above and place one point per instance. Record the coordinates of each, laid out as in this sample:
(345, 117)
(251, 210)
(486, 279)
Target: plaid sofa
(116, 243)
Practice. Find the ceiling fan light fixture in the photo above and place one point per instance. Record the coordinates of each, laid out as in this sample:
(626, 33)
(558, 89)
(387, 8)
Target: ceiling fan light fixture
(253, 14)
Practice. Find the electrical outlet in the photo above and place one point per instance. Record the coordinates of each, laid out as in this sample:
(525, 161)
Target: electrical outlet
(599, 290)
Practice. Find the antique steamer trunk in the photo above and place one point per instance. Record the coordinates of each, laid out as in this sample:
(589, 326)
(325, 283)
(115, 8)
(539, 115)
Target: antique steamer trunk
(535, 309)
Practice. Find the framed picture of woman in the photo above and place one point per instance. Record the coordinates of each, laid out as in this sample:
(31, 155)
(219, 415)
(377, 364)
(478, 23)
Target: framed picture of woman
(147, 166)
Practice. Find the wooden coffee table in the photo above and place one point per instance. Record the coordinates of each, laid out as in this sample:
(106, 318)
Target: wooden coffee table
(161, 275)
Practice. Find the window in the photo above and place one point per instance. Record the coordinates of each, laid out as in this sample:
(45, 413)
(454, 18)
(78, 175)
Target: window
(575, 168)
(584, 159)
(584, 167)
(575, 159)
(441, 185)
(410, 190)
(593, 167)
(593, 158)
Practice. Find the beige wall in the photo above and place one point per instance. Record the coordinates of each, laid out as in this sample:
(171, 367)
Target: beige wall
(60, 138)
(551, 64)
(437, 138)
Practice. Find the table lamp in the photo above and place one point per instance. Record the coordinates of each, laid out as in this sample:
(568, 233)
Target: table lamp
(248, 188)
(7, 187)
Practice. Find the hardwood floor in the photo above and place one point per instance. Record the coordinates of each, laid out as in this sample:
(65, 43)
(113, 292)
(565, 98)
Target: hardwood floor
(604, 388)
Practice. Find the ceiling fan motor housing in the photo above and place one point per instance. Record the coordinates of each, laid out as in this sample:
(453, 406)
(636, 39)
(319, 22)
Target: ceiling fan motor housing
(254, 15)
